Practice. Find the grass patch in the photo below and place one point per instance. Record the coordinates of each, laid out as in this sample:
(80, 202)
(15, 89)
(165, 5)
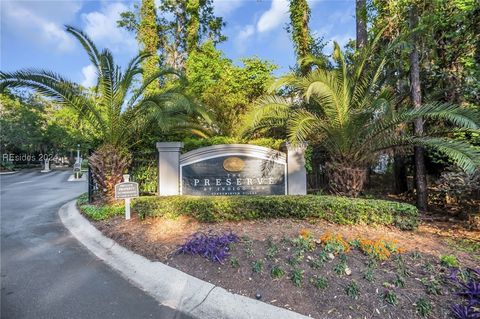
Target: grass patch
(341, 210)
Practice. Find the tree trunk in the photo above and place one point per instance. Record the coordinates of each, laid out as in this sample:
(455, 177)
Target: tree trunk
(416, 96)
(148, 37)
(301, 37)
(345, 180)
(400, 174)
(361, 20)
(193, 25)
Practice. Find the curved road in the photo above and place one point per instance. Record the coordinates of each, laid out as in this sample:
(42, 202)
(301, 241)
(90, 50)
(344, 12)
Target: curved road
(45, 272)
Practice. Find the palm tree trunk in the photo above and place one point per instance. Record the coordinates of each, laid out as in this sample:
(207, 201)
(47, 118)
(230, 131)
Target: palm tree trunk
(416, 96)
(108, 164)
(361, 21)
(344, 179)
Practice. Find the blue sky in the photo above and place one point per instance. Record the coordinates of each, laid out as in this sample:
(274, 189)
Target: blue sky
(32, 32)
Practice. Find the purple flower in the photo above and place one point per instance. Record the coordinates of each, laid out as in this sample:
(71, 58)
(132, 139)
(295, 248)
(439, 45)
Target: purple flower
(465, 312)
(211, 246)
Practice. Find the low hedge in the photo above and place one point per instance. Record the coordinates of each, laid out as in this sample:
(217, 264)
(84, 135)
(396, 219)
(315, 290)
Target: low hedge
(341, 210)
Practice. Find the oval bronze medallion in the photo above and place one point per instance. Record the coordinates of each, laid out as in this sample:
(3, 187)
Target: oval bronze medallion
(233, 164)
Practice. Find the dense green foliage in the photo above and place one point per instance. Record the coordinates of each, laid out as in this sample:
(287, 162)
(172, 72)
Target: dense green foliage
(448, 34)
(147, 36)
(340, 210)
(224, 88)
(117, 111)
(182, 26)
(352, 117)
(194, 143)
(33, 125)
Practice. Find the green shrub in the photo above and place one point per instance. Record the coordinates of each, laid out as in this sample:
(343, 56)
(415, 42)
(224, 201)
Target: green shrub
(341, 210)
(449, 261)
(190, 144)
(96, 212)
(146, 176)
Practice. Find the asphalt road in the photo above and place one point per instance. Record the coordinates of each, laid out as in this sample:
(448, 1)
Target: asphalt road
(45, 272)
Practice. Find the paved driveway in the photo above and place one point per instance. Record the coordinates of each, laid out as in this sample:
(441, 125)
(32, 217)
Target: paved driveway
(45, 272)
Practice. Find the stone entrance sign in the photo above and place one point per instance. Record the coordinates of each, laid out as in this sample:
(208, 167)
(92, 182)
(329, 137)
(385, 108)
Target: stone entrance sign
(230, 169)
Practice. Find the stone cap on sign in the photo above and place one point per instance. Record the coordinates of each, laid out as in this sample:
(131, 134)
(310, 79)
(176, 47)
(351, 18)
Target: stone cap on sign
(232, 149)
(169, 146)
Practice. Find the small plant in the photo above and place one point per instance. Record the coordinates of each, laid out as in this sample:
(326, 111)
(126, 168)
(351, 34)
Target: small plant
(424, 307)
(416, 255)
(352, 290)
(334, 243)
(402, 267)
(304, 241)
(319, 282)
(297, 257)
(248, 246)
(234, 262)
(317, 263)
(449, 261)
(355, 243)
(390, 297)
(369, 275)
(469, 285)
(272, 250)
(399, 281)
(340, 268)
(380, 249)
(432, 287)
(257, 266)
(211, 246)
(429, 267)
(297, 277)
(277, 272)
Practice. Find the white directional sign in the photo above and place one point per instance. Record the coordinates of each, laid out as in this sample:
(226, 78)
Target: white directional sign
(126, 190)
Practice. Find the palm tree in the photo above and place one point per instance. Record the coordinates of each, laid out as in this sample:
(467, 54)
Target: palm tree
(351, 116)
(114, 108)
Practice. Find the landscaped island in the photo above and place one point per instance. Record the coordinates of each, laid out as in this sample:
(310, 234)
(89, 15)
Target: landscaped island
(322, 256)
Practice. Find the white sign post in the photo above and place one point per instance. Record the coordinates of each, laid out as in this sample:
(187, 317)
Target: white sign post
(126, 190)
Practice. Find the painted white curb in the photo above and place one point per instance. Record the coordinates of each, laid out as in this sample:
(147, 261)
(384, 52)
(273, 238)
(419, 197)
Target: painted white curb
(8, 173)
(169, 286)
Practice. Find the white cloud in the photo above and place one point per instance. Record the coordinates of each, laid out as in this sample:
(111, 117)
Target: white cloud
(273, 17)
(89, 73)
(341, 39)
(241, 40)
(101, 26)
(35, 21)
(223, 8)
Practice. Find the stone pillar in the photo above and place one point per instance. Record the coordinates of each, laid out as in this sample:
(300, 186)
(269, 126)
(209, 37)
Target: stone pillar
(297, 174)
(169, 168)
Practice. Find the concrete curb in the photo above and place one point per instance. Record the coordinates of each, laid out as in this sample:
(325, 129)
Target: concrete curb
(169, 286)
(8, 173)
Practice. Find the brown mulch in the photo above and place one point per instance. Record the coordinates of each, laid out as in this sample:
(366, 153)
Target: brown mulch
(158, 239)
